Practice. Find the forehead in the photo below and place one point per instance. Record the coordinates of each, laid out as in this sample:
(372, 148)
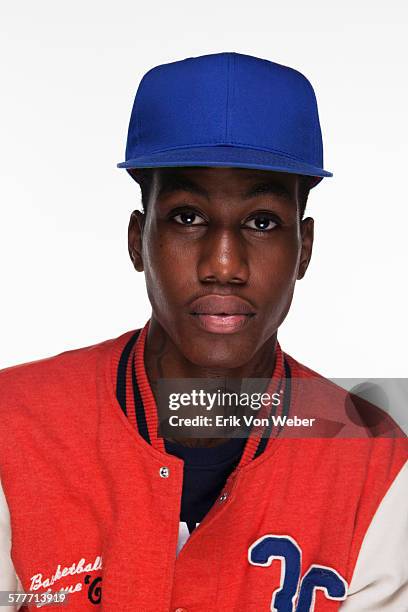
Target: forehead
(206, 181)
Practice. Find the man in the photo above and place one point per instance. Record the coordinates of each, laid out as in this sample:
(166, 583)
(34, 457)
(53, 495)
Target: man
(96, 501)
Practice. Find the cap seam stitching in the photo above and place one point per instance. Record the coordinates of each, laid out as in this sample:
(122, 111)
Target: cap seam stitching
(224, 144)
(228, 94)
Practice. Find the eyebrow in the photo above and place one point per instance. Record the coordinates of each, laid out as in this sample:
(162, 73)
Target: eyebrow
(172, 183)
(269, 187)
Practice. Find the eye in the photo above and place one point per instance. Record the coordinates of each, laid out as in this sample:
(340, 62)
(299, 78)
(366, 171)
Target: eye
(261, 223)
(188, 218)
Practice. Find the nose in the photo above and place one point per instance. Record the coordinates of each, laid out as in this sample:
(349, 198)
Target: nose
(223, 258)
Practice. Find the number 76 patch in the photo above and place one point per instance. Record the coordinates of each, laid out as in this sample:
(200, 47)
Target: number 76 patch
(295, 593)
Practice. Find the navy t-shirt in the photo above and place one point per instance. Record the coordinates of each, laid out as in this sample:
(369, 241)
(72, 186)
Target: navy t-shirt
(205, 473)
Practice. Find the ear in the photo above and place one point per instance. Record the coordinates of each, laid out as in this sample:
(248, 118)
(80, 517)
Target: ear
(135, 233)
(307, 234)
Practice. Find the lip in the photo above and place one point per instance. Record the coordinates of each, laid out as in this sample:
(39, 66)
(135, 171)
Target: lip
(221, 314)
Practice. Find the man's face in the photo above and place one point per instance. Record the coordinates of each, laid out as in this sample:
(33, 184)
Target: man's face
(221, 249)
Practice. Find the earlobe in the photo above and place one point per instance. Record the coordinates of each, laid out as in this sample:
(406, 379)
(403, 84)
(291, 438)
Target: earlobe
(135, 233)
(307, 232)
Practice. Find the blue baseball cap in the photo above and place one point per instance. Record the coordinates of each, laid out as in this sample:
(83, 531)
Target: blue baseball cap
(226, 109)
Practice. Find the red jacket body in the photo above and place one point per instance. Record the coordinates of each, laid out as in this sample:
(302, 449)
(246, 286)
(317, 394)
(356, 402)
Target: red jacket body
(90, 511)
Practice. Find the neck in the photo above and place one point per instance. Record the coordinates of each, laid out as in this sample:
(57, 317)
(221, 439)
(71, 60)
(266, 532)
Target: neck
(164, 360)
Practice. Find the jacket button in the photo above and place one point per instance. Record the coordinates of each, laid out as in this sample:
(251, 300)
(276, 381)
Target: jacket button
(180, 610)
(223, 497)
(164, 472)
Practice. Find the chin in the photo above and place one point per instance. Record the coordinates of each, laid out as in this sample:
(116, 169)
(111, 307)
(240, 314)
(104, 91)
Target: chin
(215, 351)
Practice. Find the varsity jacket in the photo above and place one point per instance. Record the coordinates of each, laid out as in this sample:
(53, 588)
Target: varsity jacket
(90, 500)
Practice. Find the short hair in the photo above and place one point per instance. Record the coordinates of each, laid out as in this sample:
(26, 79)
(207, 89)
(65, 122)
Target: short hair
(144, 177)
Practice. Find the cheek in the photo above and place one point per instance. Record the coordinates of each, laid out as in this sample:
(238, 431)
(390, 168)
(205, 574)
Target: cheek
(169, 271)
(274, 273)
(277, 264)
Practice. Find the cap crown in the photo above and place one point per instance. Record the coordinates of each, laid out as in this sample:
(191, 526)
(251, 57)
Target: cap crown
(226, 99)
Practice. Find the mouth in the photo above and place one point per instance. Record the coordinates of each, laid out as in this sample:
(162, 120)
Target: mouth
(221, 314)
(222, 323)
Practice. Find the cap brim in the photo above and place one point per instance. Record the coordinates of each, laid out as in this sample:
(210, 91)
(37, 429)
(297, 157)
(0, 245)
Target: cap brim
(226, 156)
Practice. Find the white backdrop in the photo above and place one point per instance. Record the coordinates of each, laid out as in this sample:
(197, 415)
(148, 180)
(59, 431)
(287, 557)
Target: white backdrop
(70, 71)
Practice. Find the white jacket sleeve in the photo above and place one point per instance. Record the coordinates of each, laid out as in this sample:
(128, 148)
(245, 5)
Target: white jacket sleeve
(8, 578)
(380, 579)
